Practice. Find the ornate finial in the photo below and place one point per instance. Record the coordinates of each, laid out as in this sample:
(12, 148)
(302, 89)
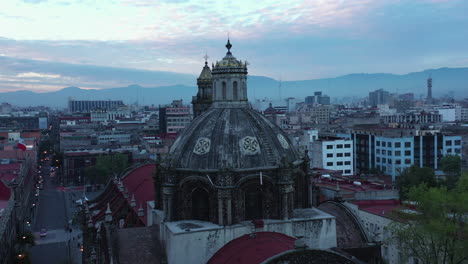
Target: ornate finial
(229, 46)
(108, 217)
(206, 58)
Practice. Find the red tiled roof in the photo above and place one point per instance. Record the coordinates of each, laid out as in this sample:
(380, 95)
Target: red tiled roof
(253, 250)
(140, 183)
(5, 192)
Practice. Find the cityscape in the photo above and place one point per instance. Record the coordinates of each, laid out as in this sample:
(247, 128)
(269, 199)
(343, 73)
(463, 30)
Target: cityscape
(230, 149)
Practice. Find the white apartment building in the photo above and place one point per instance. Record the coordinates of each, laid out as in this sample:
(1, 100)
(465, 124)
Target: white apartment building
(333, 154)
(452, 145)
(393, 154)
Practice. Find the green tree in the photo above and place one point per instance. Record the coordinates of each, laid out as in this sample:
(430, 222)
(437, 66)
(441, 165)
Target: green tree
(105, 167)
(451, 165)
(436, 232)
(414, 176)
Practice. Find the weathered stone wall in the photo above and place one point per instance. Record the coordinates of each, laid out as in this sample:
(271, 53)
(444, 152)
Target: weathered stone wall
(199, 244)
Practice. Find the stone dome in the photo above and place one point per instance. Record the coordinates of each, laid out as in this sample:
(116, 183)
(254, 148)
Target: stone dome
(237, 138)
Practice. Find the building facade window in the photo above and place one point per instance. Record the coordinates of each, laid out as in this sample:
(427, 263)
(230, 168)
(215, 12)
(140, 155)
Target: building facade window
(224, 92)
(234, 91)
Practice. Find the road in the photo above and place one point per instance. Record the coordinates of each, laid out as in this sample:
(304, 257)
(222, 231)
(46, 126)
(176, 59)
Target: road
(54, 209)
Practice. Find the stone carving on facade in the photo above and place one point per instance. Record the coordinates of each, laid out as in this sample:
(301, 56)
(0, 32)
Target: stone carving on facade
(202, 146)
(249, 145)
(225, 179)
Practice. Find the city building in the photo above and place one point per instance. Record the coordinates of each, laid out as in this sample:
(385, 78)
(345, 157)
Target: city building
(412, 118)
(318, 98)
(18, 193)
(174, 118)
(391, 150)
(379, 97)
(333, 154)
(86, 106)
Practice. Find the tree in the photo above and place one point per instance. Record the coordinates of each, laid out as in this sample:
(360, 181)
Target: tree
(414, 176)
(451, 165)
(106, 166)
(436, 232)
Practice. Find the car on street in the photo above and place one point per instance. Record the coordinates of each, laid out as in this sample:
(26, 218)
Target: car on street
(43, 232)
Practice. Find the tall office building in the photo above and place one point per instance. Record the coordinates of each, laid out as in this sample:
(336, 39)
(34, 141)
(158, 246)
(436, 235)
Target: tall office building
(379, 97)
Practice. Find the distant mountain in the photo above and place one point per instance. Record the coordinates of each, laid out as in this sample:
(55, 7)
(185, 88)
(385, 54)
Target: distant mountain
(360, 84)
(352, 85)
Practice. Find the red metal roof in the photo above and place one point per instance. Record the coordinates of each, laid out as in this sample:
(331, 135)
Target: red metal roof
(253, 250)
(378, 207)
(5, 192)
(140, 183)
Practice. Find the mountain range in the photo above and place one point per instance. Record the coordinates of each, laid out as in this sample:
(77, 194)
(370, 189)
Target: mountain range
(445, 80)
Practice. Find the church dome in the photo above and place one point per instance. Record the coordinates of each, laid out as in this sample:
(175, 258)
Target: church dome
(237, 138)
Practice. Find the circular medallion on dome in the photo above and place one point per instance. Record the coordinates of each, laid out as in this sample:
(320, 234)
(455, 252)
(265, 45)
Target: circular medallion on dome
(284, 143)
(202, 146)
(249, 145)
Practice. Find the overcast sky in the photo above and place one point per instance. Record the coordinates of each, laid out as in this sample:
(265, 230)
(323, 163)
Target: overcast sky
(288, 40)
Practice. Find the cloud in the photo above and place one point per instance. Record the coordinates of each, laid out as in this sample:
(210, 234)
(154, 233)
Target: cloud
(37, 75)
(34, 1)
(295, 39)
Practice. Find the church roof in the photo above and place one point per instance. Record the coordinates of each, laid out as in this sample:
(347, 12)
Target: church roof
(238, 138)
(205, 73)
(253, 248)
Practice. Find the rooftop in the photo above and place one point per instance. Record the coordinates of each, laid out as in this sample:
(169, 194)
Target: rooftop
(253, 248)
(378, 207)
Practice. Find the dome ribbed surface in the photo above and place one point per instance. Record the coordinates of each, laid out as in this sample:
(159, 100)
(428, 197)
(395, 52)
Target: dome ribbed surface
(238, 138)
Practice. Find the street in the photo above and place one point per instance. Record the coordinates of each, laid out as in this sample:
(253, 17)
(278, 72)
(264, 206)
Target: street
(54, 210)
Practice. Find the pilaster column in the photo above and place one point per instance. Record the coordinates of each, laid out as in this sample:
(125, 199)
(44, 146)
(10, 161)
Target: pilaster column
(220, 210)
(168, 197)
(229, 211)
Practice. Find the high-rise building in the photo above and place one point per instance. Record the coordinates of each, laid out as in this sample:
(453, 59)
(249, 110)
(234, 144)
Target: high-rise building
(318, 98)
(379, 97)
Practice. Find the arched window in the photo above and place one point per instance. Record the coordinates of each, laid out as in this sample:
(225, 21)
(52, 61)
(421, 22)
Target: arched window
(253, 199)
(200, 205)
(224, 91)
(234, 87)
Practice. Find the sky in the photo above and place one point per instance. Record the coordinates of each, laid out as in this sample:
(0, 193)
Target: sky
(287, 40)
